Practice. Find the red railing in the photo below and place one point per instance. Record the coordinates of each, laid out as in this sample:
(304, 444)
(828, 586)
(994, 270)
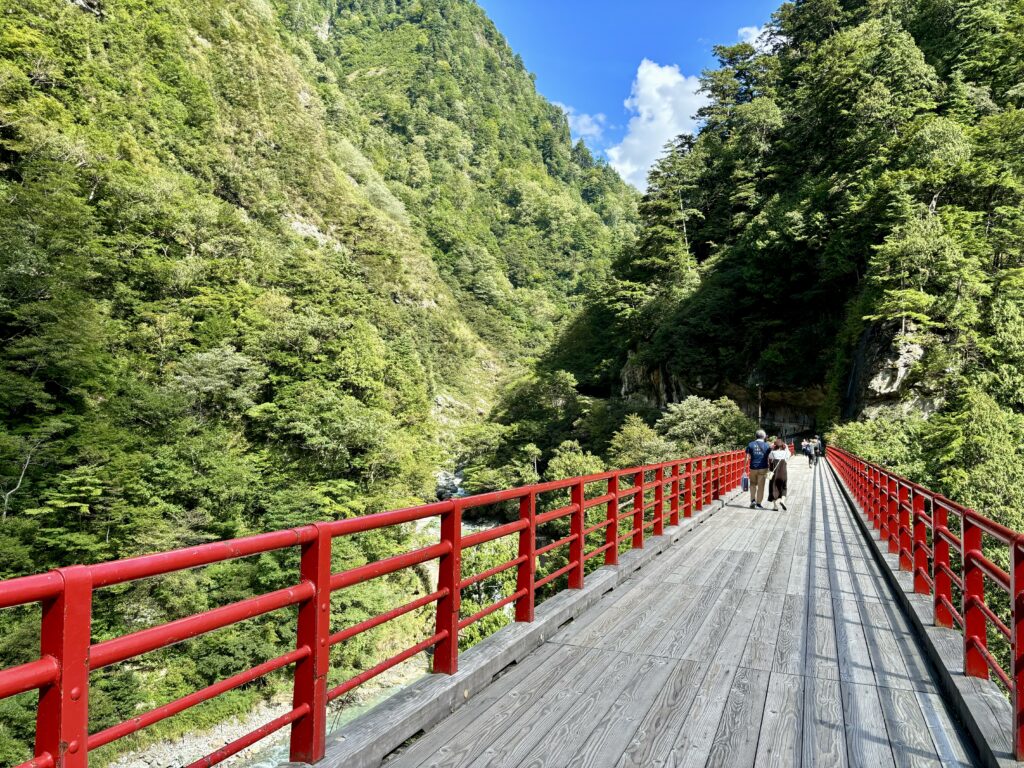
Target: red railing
(915, 524)
(68, 655)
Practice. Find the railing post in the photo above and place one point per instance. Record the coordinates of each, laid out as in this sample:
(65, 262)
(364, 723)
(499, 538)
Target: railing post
(698, 485)
(940, 563)
(1017, 642)
(894, 516)
(576, 546)
(309, 733)
(921, 586)
(716, 477)
(876, 499)
(526, 575)
(611, 539)
(975, 629)
(449, 576)
(906, 542)
(883, 505)
(638, 510)
(867, 504)
(62, 719)
(673, 518)
(688, 490)
(659, 502)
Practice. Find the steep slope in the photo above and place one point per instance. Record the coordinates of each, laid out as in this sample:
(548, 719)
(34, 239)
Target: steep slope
(258, 262)
(846, 234)
(861, 171)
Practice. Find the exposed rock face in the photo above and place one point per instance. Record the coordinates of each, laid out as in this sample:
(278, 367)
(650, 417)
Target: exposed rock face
(882, 374)
(652, 385)
(894, 369)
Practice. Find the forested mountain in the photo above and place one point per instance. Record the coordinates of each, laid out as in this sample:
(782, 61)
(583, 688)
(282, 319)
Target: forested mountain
(259, 261)
(264, 262)
(846, 230)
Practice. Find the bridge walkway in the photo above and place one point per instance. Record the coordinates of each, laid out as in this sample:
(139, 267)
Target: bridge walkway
(761, 638)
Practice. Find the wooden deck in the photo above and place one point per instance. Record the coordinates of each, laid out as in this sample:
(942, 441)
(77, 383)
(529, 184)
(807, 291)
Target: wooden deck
(761, 638)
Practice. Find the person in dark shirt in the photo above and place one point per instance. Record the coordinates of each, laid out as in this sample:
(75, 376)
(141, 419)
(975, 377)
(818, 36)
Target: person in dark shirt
(757, 455)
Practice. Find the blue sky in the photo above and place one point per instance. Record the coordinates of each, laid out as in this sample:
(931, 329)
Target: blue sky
(625, 71)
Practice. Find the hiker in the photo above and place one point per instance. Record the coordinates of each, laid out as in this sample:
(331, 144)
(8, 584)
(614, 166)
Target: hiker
(806, 450)
(757, 451)
(815, 447)
(777, 465)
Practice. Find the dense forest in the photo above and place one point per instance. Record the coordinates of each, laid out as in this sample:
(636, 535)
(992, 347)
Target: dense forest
(259, 264)
(275, 261)
(846, 232)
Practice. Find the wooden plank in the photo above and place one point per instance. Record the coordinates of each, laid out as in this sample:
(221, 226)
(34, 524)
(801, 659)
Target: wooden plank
(851, 645)
(720, 569)
(797, 584)
(759, 652)
(677, 637)
(778, 578)
(782, 725)
(919, 672)
(733, 645)
(712, 629)
(866, 743)
(512, 690)
(762, 571)
(564, 737)
(752, 554)
(524, 701)
(667, 716)
(950, 745)
(693, 743)
(886, 656)
(824, 736)
(735, 742)
(907, 729)
(822, 654)
(613, 732)
(503, 742)
(790, 647)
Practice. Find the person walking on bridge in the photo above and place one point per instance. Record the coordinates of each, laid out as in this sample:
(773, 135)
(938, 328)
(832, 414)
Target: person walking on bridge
(757, 452)
(777, 464)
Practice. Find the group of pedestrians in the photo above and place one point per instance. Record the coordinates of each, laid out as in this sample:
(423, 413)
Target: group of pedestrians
(768, 463)
(813, 449)
(768, 468)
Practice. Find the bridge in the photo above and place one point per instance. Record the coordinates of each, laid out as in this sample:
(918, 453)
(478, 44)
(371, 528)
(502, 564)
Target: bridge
(870, 624)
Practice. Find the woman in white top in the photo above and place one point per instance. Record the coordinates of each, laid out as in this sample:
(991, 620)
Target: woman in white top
(777, 464)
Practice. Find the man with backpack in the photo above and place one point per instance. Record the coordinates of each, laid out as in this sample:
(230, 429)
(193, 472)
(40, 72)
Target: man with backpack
(757, 453)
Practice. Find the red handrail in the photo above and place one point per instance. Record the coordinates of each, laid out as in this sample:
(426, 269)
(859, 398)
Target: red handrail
(913, 521)
(61, 673)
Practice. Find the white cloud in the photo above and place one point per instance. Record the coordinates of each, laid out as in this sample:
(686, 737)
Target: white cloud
(583, 125)
(755, 36)
(663, 102)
